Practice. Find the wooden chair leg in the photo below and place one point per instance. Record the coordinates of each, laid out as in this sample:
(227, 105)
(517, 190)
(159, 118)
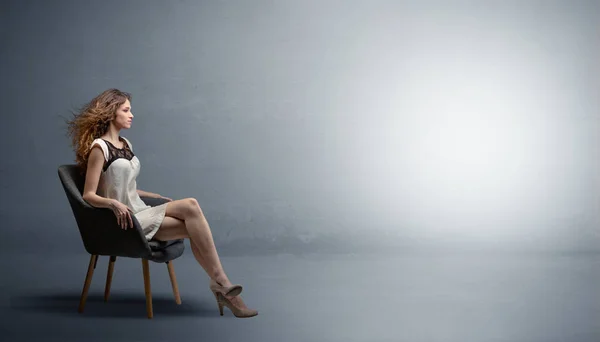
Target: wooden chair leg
(88, 281)
(174, 282)
(109, 274)
(146, 269)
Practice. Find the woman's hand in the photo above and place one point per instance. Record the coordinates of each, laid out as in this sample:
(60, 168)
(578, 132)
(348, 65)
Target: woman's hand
(123, 214)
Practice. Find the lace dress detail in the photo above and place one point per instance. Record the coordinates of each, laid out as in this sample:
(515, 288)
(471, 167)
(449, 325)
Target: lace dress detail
(115, 153)
(118, 181)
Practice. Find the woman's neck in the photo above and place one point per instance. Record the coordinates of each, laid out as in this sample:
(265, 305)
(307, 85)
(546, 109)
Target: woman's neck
(112, 134)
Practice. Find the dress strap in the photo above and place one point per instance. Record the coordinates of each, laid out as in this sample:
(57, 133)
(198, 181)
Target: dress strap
(128, 143)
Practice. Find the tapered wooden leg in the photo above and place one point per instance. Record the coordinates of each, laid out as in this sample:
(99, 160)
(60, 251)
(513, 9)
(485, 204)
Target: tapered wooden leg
(174, 282)
(88, 281)
(109, 274)
(146, 269)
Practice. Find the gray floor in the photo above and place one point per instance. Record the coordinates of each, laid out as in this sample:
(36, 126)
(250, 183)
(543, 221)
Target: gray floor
(414, 297)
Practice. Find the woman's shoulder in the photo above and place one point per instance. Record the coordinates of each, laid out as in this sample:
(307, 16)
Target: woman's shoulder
(100, 142)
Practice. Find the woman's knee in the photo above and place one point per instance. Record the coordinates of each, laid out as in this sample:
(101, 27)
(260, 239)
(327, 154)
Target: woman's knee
(193, 206)
(183, 208)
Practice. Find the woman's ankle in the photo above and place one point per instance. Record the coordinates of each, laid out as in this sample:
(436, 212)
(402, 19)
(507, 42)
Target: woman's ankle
(222, 280)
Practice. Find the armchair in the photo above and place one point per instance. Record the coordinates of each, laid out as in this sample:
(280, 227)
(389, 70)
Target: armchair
(102, 236)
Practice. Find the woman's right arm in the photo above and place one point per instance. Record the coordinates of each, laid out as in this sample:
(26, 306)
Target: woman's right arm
(94, 168)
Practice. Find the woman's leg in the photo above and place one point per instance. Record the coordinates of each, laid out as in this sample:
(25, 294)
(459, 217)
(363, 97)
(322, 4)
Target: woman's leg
(197, 229)
(173, 228)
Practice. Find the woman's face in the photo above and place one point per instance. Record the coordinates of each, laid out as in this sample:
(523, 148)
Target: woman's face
(123, 116)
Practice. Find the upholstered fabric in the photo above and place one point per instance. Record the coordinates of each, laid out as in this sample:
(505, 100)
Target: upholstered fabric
(166, 251)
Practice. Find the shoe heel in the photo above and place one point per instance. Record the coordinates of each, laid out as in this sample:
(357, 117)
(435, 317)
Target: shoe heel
(219, 302)
(240, 312)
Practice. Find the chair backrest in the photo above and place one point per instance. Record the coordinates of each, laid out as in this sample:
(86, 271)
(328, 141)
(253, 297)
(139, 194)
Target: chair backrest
(98, 226)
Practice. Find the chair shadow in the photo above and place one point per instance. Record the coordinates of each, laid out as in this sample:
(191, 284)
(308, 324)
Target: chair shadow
(117, 306)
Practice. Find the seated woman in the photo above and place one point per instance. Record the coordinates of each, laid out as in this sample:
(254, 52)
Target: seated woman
(111, 169)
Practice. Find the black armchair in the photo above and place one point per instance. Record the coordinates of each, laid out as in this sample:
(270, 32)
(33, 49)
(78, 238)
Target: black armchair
(102, 236)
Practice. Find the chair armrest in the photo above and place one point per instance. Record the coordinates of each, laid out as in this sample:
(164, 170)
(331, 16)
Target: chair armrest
(153, 202)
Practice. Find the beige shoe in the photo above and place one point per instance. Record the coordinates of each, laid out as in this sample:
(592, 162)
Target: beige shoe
(232, 290)
(236, 305)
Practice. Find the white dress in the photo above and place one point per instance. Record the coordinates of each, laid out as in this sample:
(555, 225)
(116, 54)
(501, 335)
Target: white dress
(118, 181)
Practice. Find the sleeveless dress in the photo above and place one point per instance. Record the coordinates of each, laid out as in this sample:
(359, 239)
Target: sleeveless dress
(118, 181)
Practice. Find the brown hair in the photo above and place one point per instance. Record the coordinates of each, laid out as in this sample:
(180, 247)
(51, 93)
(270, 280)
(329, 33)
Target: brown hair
(92, 121)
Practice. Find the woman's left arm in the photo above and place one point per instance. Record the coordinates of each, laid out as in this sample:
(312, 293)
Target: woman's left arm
(143, 193)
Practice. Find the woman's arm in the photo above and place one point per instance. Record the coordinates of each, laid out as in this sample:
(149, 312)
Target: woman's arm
(94, 167)
(143, 193)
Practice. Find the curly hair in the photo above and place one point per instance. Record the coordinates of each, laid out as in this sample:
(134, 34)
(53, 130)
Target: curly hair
(92, 121)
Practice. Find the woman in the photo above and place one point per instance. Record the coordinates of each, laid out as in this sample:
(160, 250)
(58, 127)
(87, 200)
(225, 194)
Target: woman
(111, 168)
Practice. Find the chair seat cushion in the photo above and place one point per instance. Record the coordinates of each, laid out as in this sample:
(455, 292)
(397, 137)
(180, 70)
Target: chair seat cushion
(163, 251)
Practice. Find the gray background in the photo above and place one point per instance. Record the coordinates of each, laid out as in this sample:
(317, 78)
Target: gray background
(302, 122)
(319, 128)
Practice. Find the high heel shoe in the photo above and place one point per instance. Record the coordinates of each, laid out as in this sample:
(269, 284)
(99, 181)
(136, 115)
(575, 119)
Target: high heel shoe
(240, 311)
(232, 290)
